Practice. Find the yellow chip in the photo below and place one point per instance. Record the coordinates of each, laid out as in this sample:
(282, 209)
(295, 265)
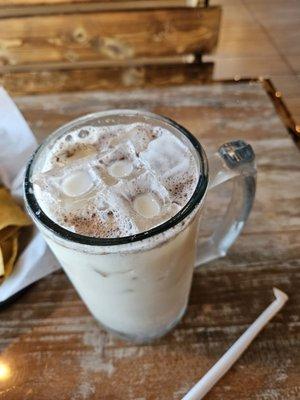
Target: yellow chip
(1, 264)
(8, 232)
(10, 212)
(8, 267)
(9, 251)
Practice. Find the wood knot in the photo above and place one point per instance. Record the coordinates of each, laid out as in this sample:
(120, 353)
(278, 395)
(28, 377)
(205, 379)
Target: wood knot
(71, 56)
(3, 60)
(56, 41)
(133, 77)
(80, 35)
(10, 43)
(113, 48)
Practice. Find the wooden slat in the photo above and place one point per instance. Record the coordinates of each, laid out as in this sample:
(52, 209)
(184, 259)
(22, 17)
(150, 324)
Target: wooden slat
(104, 78)
(107, 36)
(28, 3)
(54, 66)
(73, 6)
(55, 349)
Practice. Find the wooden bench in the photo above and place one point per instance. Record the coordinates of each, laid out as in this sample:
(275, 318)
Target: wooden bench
(65, 45)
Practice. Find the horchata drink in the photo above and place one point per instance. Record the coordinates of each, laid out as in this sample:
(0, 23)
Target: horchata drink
(116, 196)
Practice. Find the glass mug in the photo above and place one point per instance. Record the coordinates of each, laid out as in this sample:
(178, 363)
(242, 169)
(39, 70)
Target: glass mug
(138, 286)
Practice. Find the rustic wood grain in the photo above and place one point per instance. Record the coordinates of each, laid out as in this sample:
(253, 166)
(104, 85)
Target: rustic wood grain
(56, 350)
(282, 106)
(109, 78)
(28, 3)
(34, 2)
(39, 7)
(110, 36)
(74, 6)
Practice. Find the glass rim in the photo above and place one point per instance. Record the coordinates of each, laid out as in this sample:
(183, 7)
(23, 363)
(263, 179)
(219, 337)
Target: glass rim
(38, 214)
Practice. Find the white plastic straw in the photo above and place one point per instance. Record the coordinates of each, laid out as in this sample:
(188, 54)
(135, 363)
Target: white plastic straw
(237, 349)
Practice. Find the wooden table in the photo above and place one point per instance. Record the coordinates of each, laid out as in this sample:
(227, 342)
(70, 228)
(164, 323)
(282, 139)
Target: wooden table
(54, 348)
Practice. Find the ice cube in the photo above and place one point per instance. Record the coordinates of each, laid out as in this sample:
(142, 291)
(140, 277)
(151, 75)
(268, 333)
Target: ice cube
(70, 187)
(146, 205)
(73, 180)
(114, 214)
(77, 184)
(121, 162)
(138, 134)
(146, 182)
(120, 169)
(121, 151)
(145, 200)
(166, 156)
(141, 135)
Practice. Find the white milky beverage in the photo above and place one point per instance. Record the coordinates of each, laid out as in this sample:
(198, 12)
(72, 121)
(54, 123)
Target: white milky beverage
(113, 195)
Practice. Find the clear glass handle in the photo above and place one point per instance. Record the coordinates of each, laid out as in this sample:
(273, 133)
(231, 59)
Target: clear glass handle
(234, 160)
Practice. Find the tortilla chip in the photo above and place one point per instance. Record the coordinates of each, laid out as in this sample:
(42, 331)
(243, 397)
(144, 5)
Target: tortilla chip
(9, 251)
(8, 232)
(10, 213)
(1, 264)
(12, 218)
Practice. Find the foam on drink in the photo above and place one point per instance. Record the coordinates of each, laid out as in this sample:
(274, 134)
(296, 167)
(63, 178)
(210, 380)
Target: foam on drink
(115, 181)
